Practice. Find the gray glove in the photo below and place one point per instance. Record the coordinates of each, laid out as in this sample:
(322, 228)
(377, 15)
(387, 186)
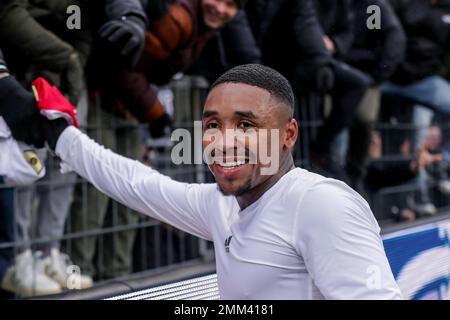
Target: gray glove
(127, 35)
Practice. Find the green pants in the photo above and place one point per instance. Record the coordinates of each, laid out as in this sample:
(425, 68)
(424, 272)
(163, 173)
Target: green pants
(93, 211)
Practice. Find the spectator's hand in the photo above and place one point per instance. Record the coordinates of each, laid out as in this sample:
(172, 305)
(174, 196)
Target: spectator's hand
(324, 77)
(72, 81)
(424, 159)
(127, 35)
(19, 110)
(329, 44)
(376, 146)
(161, 126)
(407, 215)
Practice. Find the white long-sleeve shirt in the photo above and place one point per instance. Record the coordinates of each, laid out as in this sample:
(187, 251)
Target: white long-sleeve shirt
(307, 237)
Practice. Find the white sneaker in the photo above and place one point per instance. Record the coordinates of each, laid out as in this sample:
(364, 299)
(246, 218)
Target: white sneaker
(427, 209)
(444, 186)
(25, 279)
(422, 209)
(58, 267)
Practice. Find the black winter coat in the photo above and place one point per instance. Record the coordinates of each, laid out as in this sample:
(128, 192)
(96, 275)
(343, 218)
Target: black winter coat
(427, 28)
(336, 19)
(378, 52)
(288, 33)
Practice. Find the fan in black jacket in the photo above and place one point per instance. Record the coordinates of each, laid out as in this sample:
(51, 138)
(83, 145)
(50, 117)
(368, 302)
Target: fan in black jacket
(418, 79)
(377, 52)
(232, 45)
(289, 34)
(427, 25)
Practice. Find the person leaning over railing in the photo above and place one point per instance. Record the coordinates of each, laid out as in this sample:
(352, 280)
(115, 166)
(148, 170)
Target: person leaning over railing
(36, 32)
(376, 52)
(19, 165)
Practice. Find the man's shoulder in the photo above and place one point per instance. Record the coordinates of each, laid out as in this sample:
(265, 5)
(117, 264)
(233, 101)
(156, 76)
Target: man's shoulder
(298, 181)
(308, 185)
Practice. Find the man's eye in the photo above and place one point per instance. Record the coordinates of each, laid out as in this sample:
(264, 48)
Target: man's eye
(245, 125)
(212, 125)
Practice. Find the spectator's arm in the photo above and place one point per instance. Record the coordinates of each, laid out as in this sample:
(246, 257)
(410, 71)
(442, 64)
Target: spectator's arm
(239, 42)
(308, 33)
(343, 37)
(139, 97)
(19, 30)
(358, 55)
(394, 46)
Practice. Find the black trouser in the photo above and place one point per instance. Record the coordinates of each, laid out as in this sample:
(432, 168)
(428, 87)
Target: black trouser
(349, 87)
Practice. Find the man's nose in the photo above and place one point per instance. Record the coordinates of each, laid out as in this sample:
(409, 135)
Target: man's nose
(229, 139)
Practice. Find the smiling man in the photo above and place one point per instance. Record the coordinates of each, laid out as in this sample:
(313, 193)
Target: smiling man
(288, 235)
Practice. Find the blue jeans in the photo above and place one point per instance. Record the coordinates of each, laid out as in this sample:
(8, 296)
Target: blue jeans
(6, 227)
(432, 92)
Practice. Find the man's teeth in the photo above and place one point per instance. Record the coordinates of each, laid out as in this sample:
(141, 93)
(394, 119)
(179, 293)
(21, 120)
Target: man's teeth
(232, 164)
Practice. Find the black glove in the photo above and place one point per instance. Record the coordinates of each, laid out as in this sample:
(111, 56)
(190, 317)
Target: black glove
(160, 127)
(52, 129)
(324, 79)
(18, 109)
(72, 82)
(127, 35)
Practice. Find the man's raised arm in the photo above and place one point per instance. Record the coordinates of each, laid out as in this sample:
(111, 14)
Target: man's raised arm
(136, 185)
(133, 184)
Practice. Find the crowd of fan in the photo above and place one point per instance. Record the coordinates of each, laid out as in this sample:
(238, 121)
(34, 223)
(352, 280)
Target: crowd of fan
(372, 58)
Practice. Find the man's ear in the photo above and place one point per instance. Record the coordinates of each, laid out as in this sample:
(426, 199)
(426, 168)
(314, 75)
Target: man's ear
(291, 134)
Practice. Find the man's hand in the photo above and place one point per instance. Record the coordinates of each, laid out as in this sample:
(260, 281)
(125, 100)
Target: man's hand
(127, 34)
(18, 109)
(72, 81)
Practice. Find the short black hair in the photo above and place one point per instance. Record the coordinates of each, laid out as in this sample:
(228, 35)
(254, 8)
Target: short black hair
(262, 77)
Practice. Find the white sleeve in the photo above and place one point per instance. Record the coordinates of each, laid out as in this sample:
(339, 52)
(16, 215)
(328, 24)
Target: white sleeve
(135, 185)
(338, 237)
